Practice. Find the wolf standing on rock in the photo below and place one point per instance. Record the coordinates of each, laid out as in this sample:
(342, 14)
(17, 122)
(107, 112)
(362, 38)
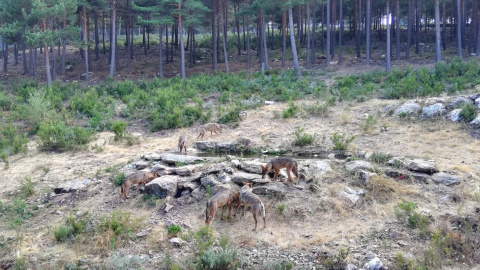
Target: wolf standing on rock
(280, 163)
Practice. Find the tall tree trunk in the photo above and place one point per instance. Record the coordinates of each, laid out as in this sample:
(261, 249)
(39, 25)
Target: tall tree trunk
(409, 28)
(473, 27)
(85, 39)
(24, 59)
(397, 30)
(214, 36)
(463, 22)
(357, 27)
(299, 23)
(132, 47)
(237, 21)
(171, 42)
(417, 27)
(64, 50)
(438, 52)
(314, 36)
(368, 28)
(145, 41)
(35, 64)
(167, 59)
(248, 43)
(224, 36)
(265, 48)
(160, 51)
(477, 40)
(5, 57)
(97, 40)
(389, 45)
(284, 36)
(444, 26)
(329, 34)
(104, 28)
(54, 64)
(15, 53)
(182, 49)
(243, 30)
(113, 20)
(176, 34)
(191, 47)
(47, 59)
(308, 35)
(340, 35)
(458, 21)
(296, 66)
(322, 40)
(334, 23)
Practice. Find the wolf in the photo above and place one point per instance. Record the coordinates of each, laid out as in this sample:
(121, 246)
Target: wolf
(212, 127)
(226, 197)
(247, 198)
(136, 178)
(280, 163)
(182, 143)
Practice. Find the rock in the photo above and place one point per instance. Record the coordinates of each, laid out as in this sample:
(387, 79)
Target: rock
(143, 233)
(185, 184)
(141, 164)
(66, 197)
(186, 170)
(225, 147)
(151, 156)
(395, 174)
(84, 75)
(205, 145)
(268, 102)
(474, 97)
(445, 179)
(209, 180)
(351, 267)
(174, 159)
(168, 207)
(252, 166)
(420, 165)
(198, 193)
(433, 110)
(223, 187)
(230, 157)
(176, 241)
(163, 186)
(408, 109)
(72, 186)
(240, 177)
(365, 175)
(374, 264)
(69, 68)
(396, 162)
(276, 189)
(224, 178)
(349, 195)
(420, 176)
(320, 167)
(389, 109)
(235, 163)
(475, 122)
(457, 102)
(356, 165)
(454, 115)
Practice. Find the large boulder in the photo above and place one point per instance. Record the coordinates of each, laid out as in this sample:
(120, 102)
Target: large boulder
(275, 188)
(209, 180)
(72, 186)
(174, 159)
(186, 170)
(318, 168)
(454, 115)
(141, 164)
(374, 264)
(151, 156)
(226, 147)
(239, 177)
(445, 179)
(408, 109)
(357, 165)
(205, 145)
(433, 110)
(423, 166)
(349, 195)
(457, 102)
(166, 185)
(252, 166)
(476, 122)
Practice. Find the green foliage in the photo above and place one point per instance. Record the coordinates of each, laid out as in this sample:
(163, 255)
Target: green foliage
(118, 179)
(57, 136)
(27, 188)
(209, 191)
(291, 111)
(20, 263)
(403, 263)
(86, 103)
(204, 239)
(118, 226)
(174, 229)
(72, 228)
(119, 128)
(338, 261)
(318, 110)
(281, 207)
(341, 142)
(380, 158)
(302, 138)
(120, 261)
(407, 214)
(468, 112)
(5, 101)
(218, 260)
(62, 233)
(5, 159)
(369, 125)
(277, 265)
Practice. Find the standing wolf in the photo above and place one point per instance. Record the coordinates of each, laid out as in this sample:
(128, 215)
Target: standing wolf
(136, 178)
(248, 198)
(280, 163)
(212, 127)
(182, 143)
(221, 199)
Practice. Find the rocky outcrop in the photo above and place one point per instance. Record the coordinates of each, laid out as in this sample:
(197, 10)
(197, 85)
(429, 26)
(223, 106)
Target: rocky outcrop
(445, 179)
(408, 109)
(163, 186)
(174, 159)
(240, 177)
(454, 115)
(349, 195)
(422, 166)
(433, 110)
(252, 166)
(72, 186)
(357, 165)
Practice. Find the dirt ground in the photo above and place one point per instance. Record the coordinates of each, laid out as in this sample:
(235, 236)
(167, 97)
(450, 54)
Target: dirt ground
(309, 222)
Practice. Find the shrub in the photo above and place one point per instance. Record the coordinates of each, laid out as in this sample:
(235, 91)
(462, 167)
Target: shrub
(174, 229)
(119, 128)
(338, 261)
(86, 103)
(341, 142)
(302, 138)
(27, 187)
(56, 136)
(204, 239)
(469, 112)
(116, 227)
(5, 101)
(73, 227)
(407, 214)
(5, 159)
(320, 110)
(380, 158)
(62, 233)
(291, 111)
(369, 124)
(281, 207)
(119, 261)
(223, 259)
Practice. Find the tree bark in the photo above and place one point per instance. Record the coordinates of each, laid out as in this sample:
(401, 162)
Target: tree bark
(5, 57)
(214, 37)
(248, 43)
(417, 27)
(388, 55)
(35, 64)
(409, 28)
(357, 22)
(308, 35)
(85, 39)
(340, 35)
(224, 38)
(113, 20)
(237, 21)
(284, 36)
(397, 30)
(444, 28)
(182, 49)
(458, 21)
(329, 34)
(368, 27)
(47, 59)
(24, 59)
(265, 48)
(438, 52)
(473, 27)
(296, 66)
(104, 28)
(95, 19)
(160, 51)
(64, 49)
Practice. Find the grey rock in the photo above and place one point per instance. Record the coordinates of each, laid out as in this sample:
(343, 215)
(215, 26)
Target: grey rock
(239, 177)
(457, 102)
(349, 195)
(396, 162)
(151, 156)
(356, 165)
(445, 179)
(454, 115)
(475, 122)
(230, 157)
(389, 109)
(433, 110)
(69, 68)
(72, 186)
(141, 164)
(205, 145)
(174, 159)
(420, 176)
(84, 75)
(183, 183)
(209, 180)
(408, 108)
(186, 170)
(320, 167)
(474, 97)
(374, 264)
(166, 185)
(176, 241)
(351, 267)
(365, 176)
(235, 163)
(423, 166)
(226, 146)
(224, 178)
(276, 189)
(395, 174)
(198, 193)
(252, 166)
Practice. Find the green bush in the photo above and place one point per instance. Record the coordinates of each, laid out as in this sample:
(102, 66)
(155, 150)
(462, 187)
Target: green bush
(302, 138)
(380, 158)
(120, 224)
(86, 103)
(56, 136)
(223, 259)
(27, 187)
(407, 214)
(320, 110)
(469, 112)
(341, 142)
(62, 233)
(369, 125)
(291, 111)
(119, 128)
(174, 229)
(5, 101)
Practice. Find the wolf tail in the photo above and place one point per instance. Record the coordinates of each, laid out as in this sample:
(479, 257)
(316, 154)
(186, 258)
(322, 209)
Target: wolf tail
(296, 169)
(121, 186)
